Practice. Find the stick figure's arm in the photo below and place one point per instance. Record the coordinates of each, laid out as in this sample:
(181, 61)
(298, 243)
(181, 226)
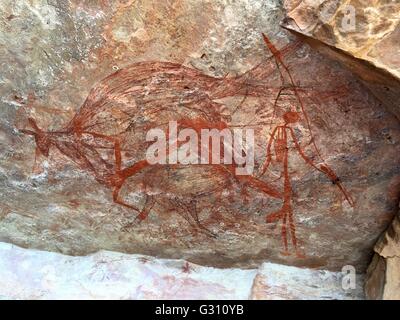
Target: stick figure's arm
(335, 180)
(324, 169)
(302, 154)
(268, 157)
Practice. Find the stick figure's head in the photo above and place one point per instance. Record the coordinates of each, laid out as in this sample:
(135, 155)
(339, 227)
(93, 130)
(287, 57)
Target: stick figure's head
(42, 138)
(291, 117)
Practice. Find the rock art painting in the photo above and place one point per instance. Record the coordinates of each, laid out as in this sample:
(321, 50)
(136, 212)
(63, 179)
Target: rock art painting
(304, 170)
(224, 134)
(106, 136)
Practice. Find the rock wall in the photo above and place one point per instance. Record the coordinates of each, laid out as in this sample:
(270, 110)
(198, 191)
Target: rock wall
(368, 30)
(363, 35)
(79, 78)
(383, 274)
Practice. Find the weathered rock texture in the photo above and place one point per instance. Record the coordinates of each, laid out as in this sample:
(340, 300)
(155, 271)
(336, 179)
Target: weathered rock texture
(342, 177)
(32, 274)
(366, 30)
(278, 282)
(383, 274)
(373, 37)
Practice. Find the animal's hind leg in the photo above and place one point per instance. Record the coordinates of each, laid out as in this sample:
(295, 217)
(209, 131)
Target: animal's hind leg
(149, 204)
(260, 185)
(117, 154)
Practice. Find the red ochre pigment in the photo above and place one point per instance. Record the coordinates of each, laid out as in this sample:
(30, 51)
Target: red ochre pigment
(120, 110)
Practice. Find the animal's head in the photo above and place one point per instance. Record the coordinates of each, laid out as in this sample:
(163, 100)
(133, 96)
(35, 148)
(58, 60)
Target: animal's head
(43, 139)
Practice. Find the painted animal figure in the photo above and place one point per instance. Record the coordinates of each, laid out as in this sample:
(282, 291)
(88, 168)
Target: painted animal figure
(107, 135)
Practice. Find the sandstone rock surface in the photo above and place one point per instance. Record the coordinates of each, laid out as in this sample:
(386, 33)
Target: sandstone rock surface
(279, 282)
(54, 52)
(383, 274)
(33, 274)
(362, 35)
(368, 30)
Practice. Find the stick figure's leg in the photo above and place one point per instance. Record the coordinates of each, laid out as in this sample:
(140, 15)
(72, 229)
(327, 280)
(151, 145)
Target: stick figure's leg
(292, 228)
(284, 234)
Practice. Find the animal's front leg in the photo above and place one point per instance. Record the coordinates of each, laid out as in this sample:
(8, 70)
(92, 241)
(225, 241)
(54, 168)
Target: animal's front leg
(117, 199)
(148, 205)
(118, 179)
(116, 147)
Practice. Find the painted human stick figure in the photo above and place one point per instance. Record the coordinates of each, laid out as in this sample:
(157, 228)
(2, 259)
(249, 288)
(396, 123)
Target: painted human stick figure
(119, 110)
(278, 145)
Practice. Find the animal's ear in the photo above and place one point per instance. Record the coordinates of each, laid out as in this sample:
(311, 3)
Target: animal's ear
(31, 128)
(29, 132)
(33, 124)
